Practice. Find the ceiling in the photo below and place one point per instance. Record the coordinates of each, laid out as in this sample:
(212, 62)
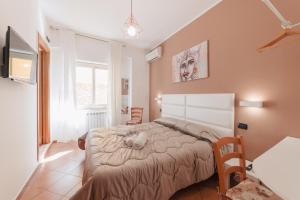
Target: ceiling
(105, 18)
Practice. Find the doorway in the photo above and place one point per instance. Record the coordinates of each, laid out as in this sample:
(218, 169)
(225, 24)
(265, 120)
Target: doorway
(43, 97)
(126, 78)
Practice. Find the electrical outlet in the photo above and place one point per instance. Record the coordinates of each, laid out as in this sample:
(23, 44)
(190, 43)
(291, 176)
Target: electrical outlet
(243, 126)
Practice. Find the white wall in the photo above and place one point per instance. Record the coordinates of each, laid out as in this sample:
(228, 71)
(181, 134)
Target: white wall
(126, 67)
(18, 104)
(140, 79)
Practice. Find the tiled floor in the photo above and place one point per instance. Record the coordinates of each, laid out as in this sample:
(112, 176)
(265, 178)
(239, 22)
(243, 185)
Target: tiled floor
(59, 177)
(43, 149)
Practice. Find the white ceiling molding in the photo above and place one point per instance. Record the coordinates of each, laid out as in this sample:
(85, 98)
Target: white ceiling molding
(91, 36)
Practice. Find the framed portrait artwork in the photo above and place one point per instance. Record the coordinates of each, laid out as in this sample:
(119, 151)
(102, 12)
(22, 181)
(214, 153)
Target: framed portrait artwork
(191, 64)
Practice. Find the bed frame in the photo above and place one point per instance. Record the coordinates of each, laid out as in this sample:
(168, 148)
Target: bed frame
(212, 110)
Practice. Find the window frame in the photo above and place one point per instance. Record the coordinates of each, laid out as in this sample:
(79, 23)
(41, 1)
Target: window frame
(93, 66)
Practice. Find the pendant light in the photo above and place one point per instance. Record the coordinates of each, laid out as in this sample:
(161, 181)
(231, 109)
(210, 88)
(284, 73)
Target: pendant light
(131, 27)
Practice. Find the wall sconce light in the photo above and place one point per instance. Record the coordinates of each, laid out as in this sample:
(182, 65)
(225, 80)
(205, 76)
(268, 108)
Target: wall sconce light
(254, 104)
(158, 99)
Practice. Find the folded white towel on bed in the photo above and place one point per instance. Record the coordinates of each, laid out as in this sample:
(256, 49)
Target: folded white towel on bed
(140, 141)
(130, 140)
(136, 141)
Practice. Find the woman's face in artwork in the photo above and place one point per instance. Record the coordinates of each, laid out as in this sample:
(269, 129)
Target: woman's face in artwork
(187, 68)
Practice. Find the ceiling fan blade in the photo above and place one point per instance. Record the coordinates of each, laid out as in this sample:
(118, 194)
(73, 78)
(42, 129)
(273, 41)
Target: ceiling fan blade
(270, 5)
(274, 41)
(291, 32)
(295, 25)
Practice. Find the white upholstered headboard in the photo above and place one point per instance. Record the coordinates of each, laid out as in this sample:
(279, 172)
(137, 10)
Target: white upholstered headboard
(212, 110)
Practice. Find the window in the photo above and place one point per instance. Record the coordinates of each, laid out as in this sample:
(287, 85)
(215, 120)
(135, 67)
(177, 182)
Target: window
(91, 85)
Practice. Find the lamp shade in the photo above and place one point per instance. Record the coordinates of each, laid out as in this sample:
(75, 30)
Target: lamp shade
(158, 98)
(255, 104)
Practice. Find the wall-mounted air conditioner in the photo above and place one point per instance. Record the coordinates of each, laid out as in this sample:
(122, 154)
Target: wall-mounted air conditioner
(154, 54)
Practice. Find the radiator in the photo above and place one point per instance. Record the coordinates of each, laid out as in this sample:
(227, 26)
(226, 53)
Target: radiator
(96, 119)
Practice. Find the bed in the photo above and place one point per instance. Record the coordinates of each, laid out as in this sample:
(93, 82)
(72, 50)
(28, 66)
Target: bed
(178, 152)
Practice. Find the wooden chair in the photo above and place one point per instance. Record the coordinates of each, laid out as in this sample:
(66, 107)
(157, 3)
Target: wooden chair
(247, 189)
(81, 141)
(136, 116)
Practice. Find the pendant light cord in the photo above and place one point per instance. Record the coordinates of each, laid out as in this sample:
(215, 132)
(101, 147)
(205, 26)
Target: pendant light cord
(131, 9)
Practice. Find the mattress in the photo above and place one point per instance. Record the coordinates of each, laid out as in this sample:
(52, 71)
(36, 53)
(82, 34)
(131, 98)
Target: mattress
(171, 160)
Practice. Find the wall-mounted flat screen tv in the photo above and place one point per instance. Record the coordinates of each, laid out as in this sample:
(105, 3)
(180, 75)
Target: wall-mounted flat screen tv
(20, 60)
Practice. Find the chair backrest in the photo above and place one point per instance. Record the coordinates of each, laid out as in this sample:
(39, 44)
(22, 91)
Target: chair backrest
(137, 113)
(237, 153)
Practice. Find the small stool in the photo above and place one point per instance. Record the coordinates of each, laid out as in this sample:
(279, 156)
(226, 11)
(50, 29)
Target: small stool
(81, 141)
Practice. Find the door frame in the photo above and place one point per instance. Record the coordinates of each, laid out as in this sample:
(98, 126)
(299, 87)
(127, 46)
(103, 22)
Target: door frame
(43, 106)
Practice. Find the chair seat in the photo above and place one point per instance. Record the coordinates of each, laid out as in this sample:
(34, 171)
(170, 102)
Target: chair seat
(250, 190)
(134, 122)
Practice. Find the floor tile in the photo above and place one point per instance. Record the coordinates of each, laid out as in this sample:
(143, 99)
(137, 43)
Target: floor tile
(76, 156)
(45, 195)
(209, 193)
(54, 164)
(31, 192)
(65, 185)
(43, 149)
(74, 190)
(78, 171)
(187, 196)
(209, 189)
(205, 190)
(68, 166)
(45, 178)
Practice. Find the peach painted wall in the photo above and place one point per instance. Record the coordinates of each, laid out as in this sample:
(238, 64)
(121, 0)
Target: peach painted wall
(235, 28)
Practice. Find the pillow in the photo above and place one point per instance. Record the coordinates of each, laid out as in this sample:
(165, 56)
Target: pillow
(166, 121)
(199, 131)
(196, 130)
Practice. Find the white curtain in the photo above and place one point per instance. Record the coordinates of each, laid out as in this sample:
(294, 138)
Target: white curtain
(114, 96)
(65, 121)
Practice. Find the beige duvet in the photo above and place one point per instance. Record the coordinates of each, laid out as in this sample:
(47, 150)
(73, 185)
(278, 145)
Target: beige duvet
(171, 160)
